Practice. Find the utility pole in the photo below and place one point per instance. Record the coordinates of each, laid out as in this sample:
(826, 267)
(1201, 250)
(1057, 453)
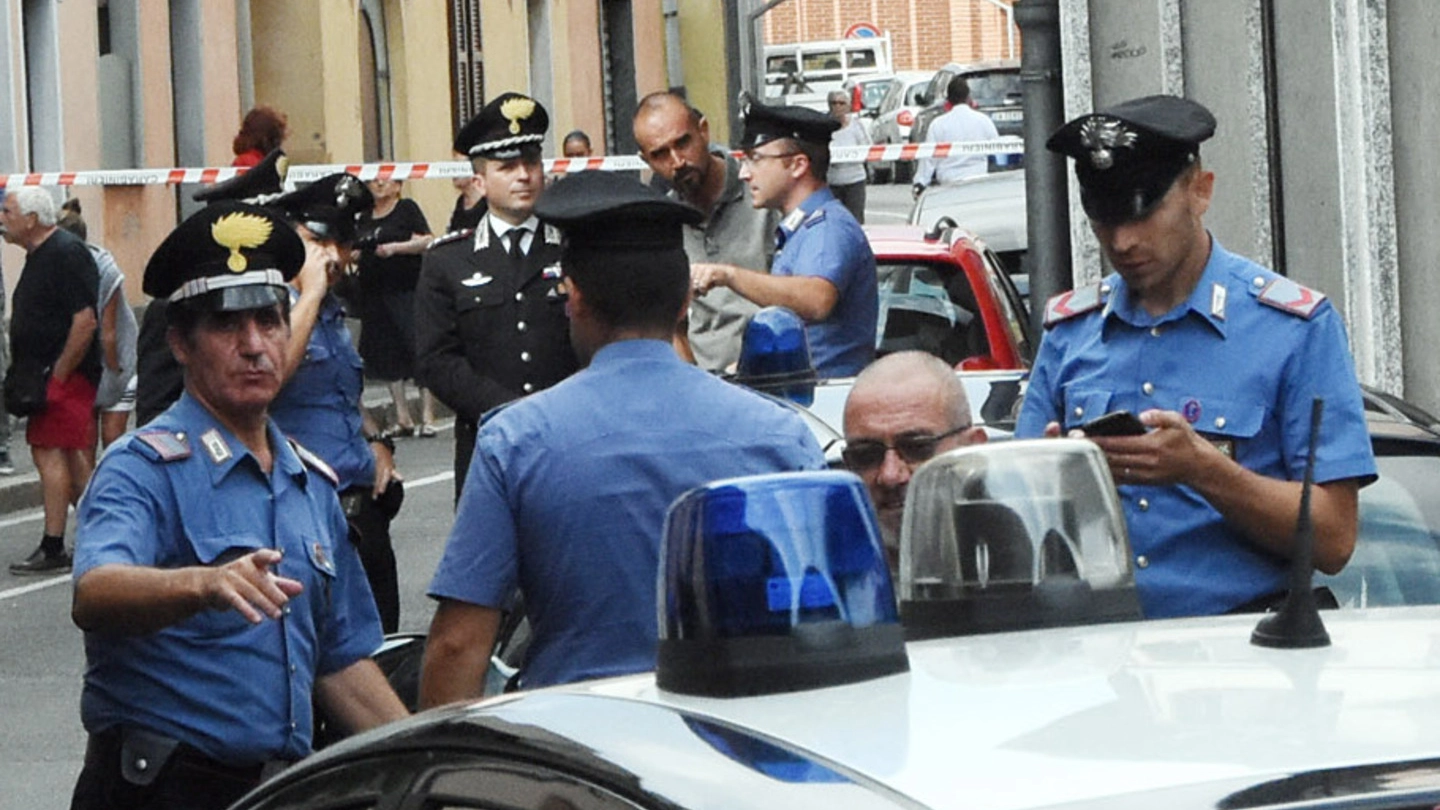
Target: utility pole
(1046, 196)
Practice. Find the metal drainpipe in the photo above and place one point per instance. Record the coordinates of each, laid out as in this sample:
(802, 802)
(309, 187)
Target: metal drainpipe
(1046, 200)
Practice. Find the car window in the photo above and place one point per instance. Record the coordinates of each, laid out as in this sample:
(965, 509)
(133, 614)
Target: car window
(995, 89)
(872, 93)
(928, 307)
(1397, 554)
(912, 92)
(1012, 309)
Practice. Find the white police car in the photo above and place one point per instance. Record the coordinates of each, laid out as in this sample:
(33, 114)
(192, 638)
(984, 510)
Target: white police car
(784, 680)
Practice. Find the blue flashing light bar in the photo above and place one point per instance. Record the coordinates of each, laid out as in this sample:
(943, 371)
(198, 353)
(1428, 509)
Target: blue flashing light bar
(775, 356)
(774, 583)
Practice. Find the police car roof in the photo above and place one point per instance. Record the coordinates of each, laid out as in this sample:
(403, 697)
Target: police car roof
(1162, 713)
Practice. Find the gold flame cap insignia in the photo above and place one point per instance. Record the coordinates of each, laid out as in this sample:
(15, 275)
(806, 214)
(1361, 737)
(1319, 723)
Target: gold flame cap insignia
(282, 167)
(240, 230)
(516, 110)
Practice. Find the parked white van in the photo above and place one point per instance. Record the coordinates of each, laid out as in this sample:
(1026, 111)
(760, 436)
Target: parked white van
(802, 73)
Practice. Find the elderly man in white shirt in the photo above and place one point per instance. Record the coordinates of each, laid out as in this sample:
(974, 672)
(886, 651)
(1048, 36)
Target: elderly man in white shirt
(847, 180)
(961, 123)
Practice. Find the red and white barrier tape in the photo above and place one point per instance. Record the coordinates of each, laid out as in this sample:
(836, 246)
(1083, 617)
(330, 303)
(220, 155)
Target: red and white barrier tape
(460, 168)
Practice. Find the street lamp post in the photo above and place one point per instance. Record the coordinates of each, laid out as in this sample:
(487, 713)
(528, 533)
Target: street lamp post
(1046, 198)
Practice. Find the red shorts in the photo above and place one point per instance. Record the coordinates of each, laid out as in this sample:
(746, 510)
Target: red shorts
(68, 421)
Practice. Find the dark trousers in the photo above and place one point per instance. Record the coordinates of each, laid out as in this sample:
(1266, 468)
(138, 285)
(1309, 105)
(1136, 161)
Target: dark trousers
(370, 532)
(464, 449)
(178, 779)
(853, 198)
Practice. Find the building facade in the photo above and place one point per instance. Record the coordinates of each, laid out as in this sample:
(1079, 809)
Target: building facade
(925, 34)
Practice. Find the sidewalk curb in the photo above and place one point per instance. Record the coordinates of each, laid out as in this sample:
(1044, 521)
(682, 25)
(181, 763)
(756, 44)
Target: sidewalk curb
(22, 491)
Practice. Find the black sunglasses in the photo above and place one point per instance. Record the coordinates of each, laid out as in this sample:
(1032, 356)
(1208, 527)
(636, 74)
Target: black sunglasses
(915, 449)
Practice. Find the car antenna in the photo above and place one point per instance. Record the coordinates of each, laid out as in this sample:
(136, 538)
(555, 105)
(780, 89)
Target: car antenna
(1297, 624)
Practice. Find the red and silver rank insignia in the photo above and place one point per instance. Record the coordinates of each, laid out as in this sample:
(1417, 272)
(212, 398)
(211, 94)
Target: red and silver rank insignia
(551, 272)
(1078, 301)
(215, 445)
(169, 446)
(1288, 296)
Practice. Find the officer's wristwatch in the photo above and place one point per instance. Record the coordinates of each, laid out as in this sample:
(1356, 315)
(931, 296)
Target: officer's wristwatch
(381, 438)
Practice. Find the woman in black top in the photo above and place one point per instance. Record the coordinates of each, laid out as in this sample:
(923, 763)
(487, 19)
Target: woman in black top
(392, 237)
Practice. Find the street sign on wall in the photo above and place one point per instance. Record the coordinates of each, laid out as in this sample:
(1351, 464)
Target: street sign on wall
(862, 30)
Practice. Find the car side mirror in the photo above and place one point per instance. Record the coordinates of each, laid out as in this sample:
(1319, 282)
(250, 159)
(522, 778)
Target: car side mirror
(923, 99)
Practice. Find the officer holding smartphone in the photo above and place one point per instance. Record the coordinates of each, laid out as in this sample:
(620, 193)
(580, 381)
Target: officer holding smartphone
(1218, 358)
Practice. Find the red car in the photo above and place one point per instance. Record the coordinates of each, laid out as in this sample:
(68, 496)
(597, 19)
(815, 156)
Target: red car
(944, 292)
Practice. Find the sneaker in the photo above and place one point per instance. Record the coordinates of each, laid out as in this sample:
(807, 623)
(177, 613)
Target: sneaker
(42, 563)
(427, 431)
(7, 467)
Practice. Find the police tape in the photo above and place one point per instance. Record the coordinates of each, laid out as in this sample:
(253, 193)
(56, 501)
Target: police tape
(460, 168)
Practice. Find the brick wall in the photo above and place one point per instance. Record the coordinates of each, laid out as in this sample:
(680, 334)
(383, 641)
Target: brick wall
(925, 33)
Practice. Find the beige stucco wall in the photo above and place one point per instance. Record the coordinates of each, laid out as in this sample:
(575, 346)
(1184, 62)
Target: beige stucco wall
(420, 92)
(505, 39)
(702, 49)
(650, 72)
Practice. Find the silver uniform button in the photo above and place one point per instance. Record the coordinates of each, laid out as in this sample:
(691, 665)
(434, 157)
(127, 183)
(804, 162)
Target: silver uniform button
(1142, 561)
(142, 764)
(524, 357)
(1144, 504)
(520, 326)
(1154, 331)
(1148, 388)
(519, 296)
(527, 387)
(1259, 281)
(1220, 422)
(1079, 411)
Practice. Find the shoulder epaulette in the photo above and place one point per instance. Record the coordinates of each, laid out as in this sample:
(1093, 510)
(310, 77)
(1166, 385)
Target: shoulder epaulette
(1075, 302)
(818, 215)
(1288, 296)
(316, 463)
(450, 237)
(165, 446)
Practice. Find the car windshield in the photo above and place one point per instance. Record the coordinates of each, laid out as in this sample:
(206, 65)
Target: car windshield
(872, 93)
(1397, 556)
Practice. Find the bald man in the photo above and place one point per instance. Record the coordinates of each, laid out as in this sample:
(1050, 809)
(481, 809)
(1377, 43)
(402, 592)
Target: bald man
(903, 409)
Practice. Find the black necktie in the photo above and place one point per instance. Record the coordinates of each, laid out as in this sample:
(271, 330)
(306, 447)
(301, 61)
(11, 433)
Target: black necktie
(517, 251)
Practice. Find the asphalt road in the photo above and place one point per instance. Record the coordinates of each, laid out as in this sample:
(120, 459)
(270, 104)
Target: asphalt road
(42, 655)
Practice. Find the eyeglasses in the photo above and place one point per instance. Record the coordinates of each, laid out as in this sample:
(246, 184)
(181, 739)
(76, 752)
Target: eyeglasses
(913, 449)
(753, 158)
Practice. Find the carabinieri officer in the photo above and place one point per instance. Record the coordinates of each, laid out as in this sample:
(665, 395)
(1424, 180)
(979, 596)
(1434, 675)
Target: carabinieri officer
(1221, 360)
(490, 322)
(824, 269)
(213, 580)
(320, 405)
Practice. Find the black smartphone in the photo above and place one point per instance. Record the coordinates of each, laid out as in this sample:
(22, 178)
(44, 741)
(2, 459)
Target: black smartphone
(1115, 423)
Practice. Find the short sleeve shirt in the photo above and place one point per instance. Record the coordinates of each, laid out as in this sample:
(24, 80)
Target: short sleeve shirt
(1243, 373)
(239, 692)
(821, 238)
(567, 493)
(59, 279)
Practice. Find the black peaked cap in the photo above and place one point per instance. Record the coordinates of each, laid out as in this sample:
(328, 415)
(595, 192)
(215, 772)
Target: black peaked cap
(227, 256)
(764, 123)
(328, 207)
(509, 126)
(1127, 156)
(263, 179)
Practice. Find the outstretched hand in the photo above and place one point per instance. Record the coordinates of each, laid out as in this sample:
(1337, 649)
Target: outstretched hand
(249, 586)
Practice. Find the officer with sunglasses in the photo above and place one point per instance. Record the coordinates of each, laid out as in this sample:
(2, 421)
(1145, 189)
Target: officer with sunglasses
(910, 403)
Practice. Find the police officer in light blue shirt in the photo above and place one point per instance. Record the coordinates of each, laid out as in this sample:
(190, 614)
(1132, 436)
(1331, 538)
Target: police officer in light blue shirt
(213, 579)
(1220, 359)
(568, 488)
(320, 404)
(824, 270)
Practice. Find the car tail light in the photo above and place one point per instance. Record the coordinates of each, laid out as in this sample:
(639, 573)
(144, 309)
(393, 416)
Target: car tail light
(856, 99)
(906, 118)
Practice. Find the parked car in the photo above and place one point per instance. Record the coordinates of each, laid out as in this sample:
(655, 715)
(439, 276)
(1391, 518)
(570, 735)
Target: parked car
(992, 206)
(802, 73)
(943, 291)
(995, 89)
(893, 120)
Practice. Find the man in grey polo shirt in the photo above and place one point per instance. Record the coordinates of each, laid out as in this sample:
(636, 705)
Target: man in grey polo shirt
(674, 140)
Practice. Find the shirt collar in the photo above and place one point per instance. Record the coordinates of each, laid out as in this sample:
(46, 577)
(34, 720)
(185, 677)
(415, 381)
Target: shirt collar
(1207, 301)
(228, 450)
(635, 349)
(501, 227)
(791, 222)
